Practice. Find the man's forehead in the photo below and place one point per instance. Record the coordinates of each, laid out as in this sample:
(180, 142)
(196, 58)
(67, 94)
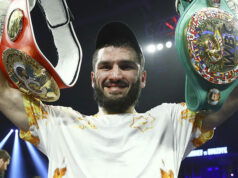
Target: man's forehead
(116, 53)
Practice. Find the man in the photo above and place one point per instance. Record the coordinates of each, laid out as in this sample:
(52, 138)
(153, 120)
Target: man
(4, 162)
(117, 141)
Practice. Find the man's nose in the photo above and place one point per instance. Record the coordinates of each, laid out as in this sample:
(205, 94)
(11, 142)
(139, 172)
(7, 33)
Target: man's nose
(116, 72)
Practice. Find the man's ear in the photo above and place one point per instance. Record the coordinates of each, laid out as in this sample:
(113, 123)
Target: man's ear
(143, 79)
(92, 79)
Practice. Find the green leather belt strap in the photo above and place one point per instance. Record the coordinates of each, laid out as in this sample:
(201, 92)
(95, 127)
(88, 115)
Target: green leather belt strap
(207, 91)
(181, 5)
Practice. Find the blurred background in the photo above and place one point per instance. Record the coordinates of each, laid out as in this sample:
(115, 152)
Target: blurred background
(154, 24)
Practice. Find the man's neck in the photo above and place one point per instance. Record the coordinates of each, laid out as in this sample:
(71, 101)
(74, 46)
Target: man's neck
(103, 111)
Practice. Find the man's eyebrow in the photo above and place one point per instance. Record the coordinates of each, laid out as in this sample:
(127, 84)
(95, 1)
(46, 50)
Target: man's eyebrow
(120, 62)
(104, 62)
(128, 61)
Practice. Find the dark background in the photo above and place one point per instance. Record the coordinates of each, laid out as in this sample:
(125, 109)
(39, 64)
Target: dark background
(165, 75)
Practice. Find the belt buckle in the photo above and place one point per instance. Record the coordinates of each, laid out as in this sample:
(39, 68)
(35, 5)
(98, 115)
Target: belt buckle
(207, 45)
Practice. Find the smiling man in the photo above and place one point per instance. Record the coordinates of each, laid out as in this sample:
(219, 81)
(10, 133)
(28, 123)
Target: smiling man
(118, 69)
(117, 141)
(4, 162)
(117, 79)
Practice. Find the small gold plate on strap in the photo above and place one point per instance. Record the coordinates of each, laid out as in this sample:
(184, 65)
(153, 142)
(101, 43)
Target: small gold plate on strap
(215, 3)
(233, 4)
(30, 76)
(214, 96)
(15, 24)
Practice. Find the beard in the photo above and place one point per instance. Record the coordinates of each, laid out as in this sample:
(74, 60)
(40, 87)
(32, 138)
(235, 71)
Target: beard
(118, 105)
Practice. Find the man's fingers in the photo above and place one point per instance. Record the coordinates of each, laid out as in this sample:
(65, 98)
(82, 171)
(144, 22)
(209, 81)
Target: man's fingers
(1, 162)
(3, 83)
(4, 4)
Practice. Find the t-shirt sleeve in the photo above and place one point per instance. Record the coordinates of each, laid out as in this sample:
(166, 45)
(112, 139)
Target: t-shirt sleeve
(187, 129)
(43, 120)
(38, 118)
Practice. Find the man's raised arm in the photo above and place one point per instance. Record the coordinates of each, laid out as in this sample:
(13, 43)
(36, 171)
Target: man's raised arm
(11, 104)
(11, 101)
(229, 107)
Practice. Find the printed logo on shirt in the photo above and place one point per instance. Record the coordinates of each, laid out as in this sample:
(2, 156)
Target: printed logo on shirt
(167, 175)
(86, 124)
(59, 173)
(143, 123)
(186, 114)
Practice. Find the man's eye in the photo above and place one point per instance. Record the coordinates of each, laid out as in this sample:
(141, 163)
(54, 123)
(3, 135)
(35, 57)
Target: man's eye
(105, 67)
(126, 67)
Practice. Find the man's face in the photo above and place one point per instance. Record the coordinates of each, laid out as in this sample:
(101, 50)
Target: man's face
(4, 164)
(117, 79)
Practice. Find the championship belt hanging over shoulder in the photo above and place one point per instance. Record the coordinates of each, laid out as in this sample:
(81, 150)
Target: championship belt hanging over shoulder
(207, 45)
(24, 64)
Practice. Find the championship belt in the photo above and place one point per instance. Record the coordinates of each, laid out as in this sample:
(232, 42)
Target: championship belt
(23, 63)
(207, 45)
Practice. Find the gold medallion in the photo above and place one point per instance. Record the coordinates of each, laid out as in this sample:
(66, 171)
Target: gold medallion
(30, 76)
(212, 36)
(215, 3)
(233, 5)
(15, 24)
(214, 96)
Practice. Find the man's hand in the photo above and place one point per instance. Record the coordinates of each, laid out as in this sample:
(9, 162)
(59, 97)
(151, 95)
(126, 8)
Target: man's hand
(4, 4)
(230, 106)
(3, 10)
(11, 103)
(1, 165)
(1, 162)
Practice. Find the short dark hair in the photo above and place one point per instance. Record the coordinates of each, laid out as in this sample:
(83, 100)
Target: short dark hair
(121, 43)
(4, 155)
(117, 34)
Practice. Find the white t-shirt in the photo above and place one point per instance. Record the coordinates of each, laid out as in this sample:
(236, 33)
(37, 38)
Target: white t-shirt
(137, 145)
